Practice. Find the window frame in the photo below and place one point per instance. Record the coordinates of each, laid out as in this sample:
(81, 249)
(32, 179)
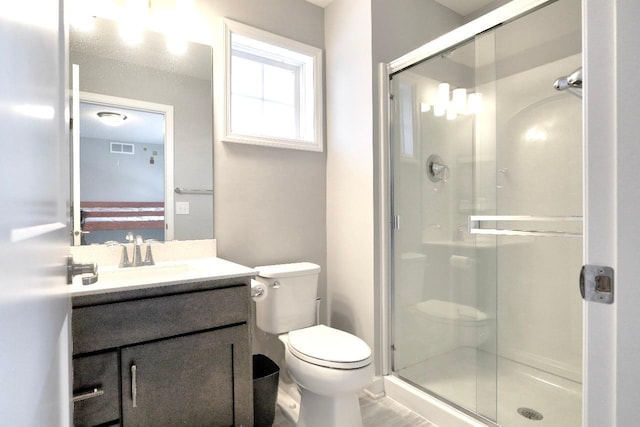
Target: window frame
(314, 72)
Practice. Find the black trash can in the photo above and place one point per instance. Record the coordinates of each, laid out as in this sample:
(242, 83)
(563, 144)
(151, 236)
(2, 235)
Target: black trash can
(265, 390)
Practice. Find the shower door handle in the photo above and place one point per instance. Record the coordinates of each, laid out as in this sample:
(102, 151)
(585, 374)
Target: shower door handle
(475, 223)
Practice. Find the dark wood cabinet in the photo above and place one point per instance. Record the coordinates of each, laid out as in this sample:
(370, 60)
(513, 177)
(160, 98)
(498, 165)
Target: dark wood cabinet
(182, 381)
(150, 359)
(96, 389)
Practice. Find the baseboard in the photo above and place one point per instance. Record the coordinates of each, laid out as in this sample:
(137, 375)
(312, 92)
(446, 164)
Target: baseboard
(375, 390)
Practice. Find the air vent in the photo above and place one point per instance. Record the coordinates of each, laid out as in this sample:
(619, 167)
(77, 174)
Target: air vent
(122, 148)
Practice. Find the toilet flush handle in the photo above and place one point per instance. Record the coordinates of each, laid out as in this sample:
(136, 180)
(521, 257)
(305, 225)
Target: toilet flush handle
(275, 285)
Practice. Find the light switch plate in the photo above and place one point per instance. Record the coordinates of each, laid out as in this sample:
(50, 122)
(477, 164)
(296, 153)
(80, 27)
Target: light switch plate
(182, 208)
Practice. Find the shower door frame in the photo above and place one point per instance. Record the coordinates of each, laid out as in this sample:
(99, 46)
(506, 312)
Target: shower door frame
(599, 182)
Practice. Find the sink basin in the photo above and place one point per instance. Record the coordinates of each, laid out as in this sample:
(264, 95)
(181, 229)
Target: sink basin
(112, 279)
(151, 273)
(166, 272)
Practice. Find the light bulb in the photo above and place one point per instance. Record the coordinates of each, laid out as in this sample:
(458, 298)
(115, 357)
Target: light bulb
(459, 100)
(177, 45)
(474, 103)
(133, 20)
(443, 95)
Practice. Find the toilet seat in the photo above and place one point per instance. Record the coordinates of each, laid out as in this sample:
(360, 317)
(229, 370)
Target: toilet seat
(328, 347)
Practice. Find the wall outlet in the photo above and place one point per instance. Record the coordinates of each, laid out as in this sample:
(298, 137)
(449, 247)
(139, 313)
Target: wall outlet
(182, 208)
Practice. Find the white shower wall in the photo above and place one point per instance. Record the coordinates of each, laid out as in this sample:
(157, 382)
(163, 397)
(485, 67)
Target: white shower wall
(539, 168)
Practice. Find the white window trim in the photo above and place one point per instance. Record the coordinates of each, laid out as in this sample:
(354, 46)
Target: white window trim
(276, 40)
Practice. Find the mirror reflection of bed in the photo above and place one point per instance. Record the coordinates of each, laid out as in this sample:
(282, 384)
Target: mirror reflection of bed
(121, 173)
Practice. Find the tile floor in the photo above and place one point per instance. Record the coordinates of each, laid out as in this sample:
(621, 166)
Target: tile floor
(383, 412)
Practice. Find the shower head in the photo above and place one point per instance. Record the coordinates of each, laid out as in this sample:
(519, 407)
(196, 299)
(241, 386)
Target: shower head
(575, 79)
(571, 83)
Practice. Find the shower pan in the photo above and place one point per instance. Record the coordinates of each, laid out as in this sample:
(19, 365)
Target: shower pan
(486, 204)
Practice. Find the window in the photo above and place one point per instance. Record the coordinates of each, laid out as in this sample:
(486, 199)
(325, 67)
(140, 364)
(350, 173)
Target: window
(274, 94)
(407, 111)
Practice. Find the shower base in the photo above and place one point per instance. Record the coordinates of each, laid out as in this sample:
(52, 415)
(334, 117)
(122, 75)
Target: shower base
(467, 377)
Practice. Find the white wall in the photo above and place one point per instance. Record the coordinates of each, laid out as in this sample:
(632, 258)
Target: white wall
(628, 207)
(613, 206)
(350, 220)
(129, 177)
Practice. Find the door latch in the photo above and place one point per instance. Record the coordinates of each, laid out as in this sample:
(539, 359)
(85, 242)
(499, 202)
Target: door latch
(74, 269)
(596, 283)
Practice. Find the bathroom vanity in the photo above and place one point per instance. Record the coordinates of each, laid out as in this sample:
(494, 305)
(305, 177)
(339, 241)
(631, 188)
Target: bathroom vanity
(170, 349)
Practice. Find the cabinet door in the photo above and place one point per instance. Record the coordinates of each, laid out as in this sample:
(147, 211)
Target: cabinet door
(96, 391)
(193, 380)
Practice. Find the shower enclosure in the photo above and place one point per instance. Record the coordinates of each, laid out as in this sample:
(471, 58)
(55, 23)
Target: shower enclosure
(486, 202)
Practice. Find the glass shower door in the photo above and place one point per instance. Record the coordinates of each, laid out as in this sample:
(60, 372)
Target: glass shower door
(444, 298)
(487, 200)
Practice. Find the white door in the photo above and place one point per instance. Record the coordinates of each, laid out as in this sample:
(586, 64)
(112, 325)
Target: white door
(612, 335)
(34, 236)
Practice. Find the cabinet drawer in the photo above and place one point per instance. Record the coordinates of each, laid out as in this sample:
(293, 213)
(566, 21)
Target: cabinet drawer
(118, 324)
(95, 389)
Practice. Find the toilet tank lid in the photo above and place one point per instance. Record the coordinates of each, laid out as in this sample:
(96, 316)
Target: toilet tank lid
(287, 270)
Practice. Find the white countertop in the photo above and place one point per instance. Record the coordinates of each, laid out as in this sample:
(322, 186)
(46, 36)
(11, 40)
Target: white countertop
(114, 279)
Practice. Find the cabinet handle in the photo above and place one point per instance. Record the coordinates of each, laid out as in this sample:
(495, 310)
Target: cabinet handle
(96, 392)
(134, 385)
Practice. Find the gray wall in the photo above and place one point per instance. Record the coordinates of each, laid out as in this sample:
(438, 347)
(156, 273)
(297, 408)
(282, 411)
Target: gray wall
(269, 203)
(350, 219)
(192, 127)
(107, 176)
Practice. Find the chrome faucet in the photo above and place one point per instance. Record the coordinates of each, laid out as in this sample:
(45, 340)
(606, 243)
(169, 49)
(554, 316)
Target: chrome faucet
(148, 256)
(136, 257)
(124, 258)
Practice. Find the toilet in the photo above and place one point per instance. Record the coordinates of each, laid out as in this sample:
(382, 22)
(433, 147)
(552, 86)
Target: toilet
(330, 367)
(433, 328)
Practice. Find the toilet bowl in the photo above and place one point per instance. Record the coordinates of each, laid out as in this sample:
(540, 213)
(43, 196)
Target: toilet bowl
(434, 327)
(329, 366)
(467, 324)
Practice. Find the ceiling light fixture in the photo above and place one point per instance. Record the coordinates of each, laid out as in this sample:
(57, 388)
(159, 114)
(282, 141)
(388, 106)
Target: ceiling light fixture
(133, 20)
(111, 118)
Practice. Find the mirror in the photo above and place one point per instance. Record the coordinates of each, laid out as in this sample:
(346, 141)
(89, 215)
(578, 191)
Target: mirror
(123, 145)
(162, 196)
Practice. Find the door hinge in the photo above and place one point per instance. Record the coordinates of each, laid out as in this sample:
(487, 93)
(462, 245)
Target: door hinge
(395, 222)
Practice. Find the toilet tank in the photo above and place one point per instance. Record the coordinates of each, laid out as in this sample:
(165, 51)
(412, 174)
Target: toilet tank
(291, 297)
